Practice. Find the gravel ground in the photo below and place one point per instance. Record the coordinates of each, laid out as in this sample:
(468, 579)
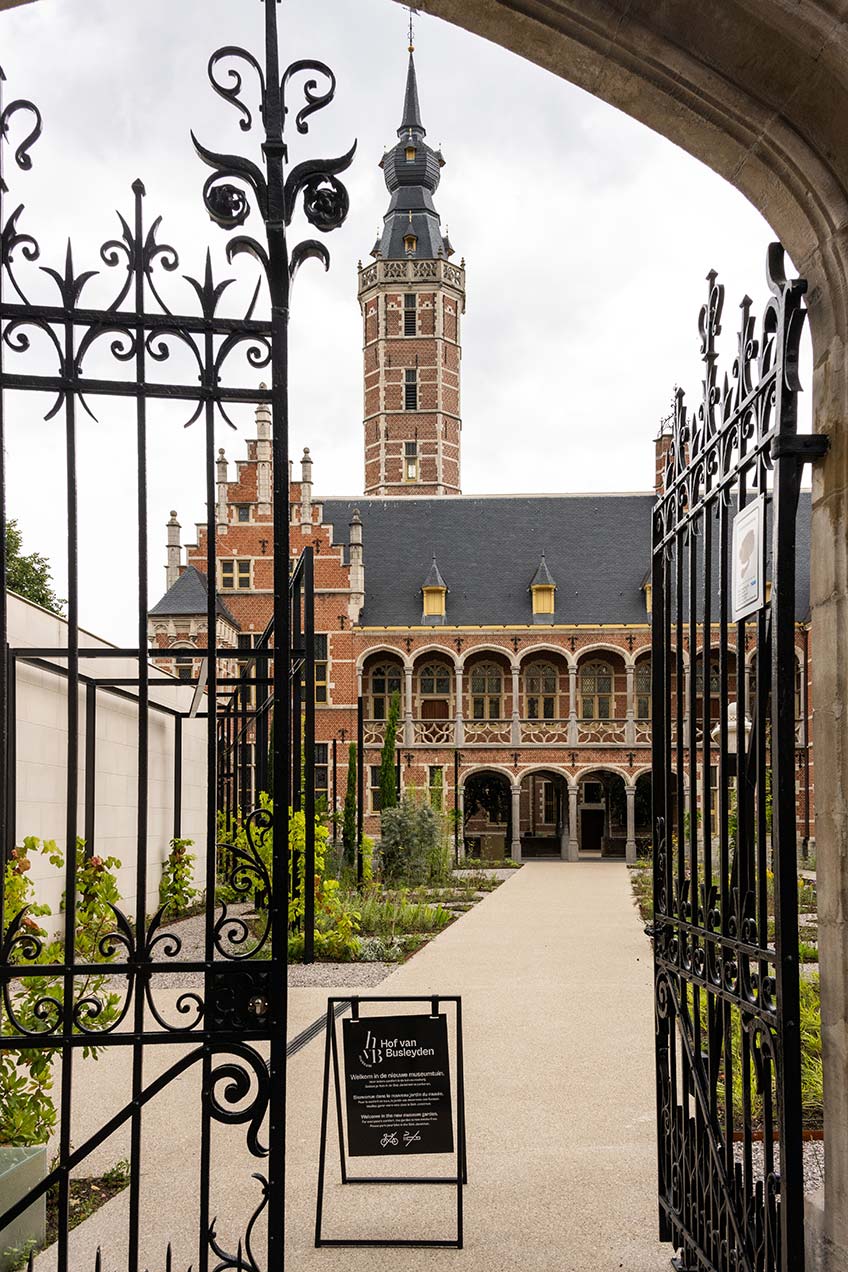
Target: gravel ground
(191, 934)
(332, 975)
(813, 1162)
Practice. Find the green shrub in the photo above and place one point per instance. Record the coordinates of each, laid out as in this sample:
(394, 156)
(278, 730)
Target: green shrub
(176, 891)
(251, 871)
(414, 846)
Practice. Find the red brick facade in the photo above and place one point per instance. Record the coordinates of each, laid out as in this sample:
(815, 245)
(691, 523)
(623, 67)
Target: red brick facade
(411, 338)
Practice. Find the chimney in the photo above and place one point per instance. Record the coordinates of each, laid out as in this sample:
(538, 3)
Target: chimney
(222, 491)
(263, 458)
(306, 492)
(172, 569)
(662, 445)
(357, 569)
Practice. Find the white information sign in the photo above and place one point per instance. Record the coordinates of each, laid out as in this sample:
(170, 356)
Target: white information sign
(746, 571)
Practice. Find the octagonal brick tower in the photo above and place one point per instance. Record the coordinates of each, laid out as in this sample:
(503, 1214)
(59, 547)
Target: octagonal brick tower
(411, 298)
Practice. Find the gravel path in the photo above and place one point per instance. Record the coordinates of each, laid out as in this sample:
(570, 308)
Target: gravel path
(813, 1162)
(330, 975)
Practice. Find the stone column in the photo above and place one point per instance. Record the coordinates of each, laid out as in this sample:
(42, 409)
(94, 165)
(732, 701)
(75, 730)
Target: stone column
(686, 674)
(515, 735)
(829, 665)
(630, 845)
(172, 569)
(572, 706)
(408, 725)
(630, 726)
(515, 846)
(221, 512)
(459, 728)
(572, 822)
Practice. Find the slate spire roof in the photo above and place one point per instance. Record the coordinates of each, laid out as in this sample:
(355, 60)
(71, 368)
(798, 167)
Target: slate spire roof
(412, 170)
(189, 596)
(411, 108)
(434, 577)
(543, 576)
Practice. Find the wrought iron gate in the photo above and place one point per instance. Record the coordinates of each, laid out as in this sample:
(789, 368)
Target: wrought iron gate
(725, 872)
(225, 1020)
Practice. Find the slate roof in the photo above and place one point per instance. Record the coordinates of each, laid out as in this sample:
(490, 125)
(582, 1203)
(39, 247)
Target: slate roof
(542, 577)
(597, 547)
(434, 578)
(189, 596)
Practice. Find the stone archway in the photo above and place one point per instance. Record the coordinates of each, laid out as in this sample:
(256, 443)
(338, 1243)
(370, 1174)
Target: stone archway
(758, 92)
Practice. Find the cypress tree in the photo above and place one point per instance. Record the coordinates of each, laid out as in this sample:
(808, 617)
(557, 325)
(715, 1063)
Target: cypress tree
(349, 820)
(388, 759)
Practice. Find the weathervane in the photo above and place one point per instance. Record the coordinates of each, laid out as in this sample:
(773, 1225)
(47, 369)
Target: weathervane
(412, 11)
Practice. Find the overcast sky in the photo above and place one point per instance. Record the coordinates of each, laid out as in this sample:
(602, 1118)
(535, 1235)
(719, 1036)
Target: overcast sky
(586, 239)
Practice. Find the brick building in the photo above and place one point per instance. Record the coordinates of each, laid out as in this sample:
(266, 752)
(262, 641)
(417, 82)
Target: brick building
(515, 628)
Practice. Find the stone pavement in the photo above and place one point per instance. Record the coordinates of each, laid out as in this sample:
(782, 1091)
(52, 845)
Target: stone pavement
(555, 976)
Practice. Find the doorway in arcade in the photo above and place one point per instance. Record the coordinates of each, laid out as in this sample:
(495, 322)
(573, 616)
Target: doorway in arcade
(487, 815)
(543, 809)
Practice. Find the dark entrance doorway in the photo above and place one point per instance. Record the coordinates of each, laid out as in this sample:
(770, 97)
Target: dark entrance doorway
(592, 830)
(487, 816)
(543, 809)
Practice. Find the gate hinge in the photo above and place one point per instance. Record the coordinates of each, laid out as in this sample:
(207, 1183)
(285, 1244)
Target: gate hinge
(805, 447)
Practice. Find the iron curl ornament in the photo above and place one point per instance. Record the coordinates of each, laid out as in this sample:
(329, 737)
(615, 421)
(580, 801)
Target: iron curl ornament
(163, 335)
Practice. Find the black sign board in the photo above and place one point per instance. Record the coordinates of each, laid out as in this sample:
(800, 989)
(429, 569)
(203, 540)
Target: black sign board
(397, 1085)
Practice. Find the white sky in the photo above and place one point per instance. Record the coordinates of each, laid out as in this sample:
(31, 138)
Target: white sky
(586, 238)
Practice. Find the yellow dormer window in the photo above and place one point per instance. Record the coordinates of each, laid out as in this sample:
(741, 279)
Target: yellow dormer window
(648, 590)
(410, 242)
(543, 598)
(434, 601)
(410, 154)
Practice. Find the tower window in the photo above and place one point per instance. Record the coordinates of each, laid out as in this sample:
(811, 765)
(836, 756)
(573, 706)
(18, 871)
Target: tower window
(410, 461)
(410, 154)
(410, 242)
(410, 390)
(243, 512)
(410, 315)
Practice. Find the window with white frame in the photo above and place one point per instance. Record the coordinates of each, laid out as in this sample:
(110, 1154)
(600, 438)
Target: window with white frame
(541, 684)
(235, 574)
(486, 690)
(385, 681)
(596, 691)
(642, 688)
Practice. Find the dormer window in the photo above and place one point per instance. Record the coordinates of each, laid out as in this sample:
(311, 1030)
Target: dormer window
(543, 593)
(434, 590)
(410, 154)
(410, 243)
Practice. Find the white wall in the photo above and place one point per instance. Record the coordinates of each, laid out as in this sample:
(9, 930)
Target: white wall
(42, 759)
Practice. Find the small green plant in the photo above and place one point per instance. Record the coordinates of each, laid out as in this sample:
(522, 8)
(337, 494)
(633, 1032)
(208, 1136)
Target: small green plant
(117, 1176)
(176, 891)
(27, 1107)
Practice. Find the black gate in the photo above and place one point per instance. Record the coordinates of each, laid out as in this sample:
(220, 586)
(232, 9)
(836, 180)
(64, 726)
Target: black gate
(725, 873)
(215, 1013)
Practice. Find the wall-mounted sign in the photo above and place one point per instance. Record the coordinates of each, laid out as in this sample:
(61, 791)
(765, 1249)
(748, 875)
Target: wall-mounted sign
(397, 1086)
(747, 573)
